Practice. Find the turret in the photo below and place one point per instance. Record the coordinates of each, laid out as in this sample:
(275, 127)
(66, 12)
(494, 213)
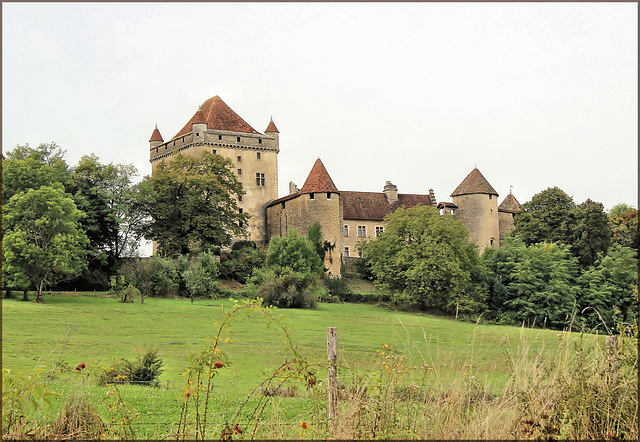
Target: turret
(199, 126)
(478, 209)
(156, 139)
(273, 132)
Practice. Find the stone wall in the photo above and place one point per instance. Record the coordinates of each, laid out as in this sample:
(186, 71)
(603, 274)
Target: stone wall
(479, 214)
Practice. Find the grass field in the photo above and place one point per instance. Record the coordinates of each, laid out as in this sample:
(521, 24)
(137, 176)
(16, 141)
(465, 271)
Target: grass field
(70, 328)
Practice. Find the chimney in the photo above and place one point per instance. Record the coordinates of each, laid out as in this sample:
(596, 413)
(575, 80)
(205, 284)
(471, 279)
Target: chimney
(391, 191)
(432, 198)
(293, 188)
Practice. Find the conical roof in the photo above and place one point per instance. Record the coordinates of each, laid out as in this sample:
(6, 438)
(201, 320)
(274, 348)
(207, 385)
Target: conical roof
(198, 118)
(271, 127)
(318, 180)
(510, 204)
(218, 116)
(155, 136)
(474, 183)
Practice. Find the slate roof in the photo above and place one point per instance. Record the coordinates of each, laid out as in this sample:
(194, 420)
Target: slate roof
(218, 116)
(318, 180)
(474, 183)
(155, 136)
(509, 204)
(374, 206)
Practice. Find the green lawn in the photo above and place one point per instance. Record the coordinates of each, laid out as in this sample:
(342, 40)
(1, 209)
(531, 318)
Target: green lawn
(99, 330)
(72, 328)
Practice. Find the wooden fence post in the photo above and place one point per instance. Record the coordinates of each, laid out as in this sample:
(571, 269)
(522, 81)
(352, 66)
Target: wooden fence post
(332, 378)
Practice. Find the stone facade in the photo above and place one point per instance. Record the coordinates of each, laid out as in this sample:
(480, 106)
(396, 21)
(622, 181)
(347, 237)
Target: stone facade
(254, 156)
(346, 217)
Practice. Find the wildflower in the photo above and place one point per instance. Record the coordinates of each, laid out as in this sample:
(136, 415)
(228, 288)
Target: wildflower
(218, 364)
(237, 429)
(227, 340)
(188, 393)
(304, 425)
(81, 366)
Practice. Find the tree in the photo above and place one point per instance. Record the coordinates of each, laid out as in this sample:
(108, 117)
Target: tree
(545, 218)
(590, 233)
(624, 229)
(105, 192)
(428, 261)
(190, 204)
(43, 242)
(620, 209)
(291, 277)
(534, 284)
(30, 168)
(201, 278)
(607, 289)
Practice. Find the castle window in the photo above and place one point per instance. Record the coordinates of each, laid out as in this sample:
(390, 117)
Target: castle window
(240, 210)
(260, 179)
(345, 231)
(362, 231)
(240, 198)
(259, 142)
(197, 134)
(312, 196)
(214, 151)
(490, 196)
(239, 171)
(258, 155)
(219, 137)
(491, 241)
(360, 254)
(239, 158)
(346, 252)
(379, 230)
(238, 139)
(328, 195)
(283, 205)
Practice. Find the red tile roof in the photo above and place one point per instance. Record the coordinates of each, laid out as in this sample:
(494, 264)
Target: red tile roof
(219, 116)
(271, 127)
(375, 206)
(510, 204)
(155, 136)
(474, 183)
(199, 117)
(318, 180)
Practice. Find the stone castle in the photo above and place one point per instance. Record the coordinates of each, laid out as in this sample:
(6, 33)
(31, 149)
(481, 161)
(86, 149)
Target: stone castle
(346, 217)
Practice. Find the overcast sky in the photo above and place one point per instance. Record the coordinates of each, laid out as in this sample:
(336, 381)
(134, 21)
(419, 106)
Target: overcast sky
(534, 94)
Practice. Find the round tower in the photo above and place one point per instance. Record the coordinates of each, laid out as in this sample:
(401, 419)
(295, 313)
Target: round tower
(199, 126)
(156, 139)
(477, 203)
(274, 133)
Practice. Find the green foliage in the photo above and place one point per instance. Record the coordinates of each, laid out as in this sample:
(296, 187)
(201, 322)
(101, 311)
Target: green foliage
(242, 260)
(545, 218)
(285, 287)
(337, 287)
(153, 276)
(607, 289)
(201, 278)
(551, 216)
(314, 235)
(145, 370)
(534, 285)
(428, 261)
(620, 209)
(624, 229)
(294, 252)
(43, 242)
(22, 393)
(191, 204)
(105, 192)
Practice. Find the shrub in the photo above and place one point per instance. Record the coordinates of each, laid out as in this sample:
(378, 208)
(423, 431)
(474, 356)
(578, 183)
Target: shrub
(285, 288)
(201, 278)
(145, 369)
(243, 259)
(337, 287)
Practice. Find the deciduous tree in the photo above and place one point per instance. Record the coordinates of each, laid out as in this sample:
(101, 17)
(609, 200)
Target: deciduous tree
(428, 261)
(190, 203)
(43, 242)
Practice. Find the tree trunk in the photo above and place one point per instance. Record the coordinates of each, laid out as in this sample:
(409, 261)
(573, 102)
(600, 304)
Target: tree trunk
(25, 295)
(141, 297)
(39, 299)
(8, 293)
